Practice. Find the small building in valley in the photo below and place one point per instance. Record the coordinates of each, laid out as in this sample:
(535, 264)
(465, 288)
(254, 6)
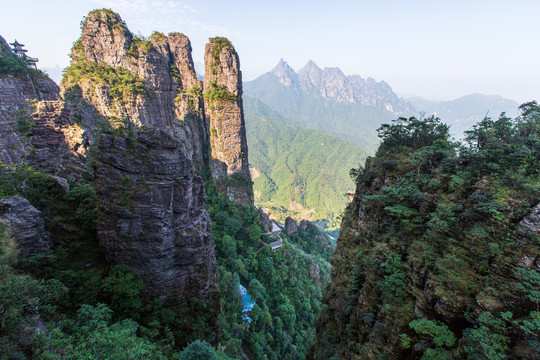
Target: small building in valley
(276, 244)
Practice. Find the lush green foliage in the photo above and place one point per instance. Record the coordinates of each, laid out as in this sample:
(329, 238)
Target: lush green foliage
(280, 282)
(109, 18)
(15, 66)
(218, 93)
(139, 43)
(93, 311)
(312, 241)
(54, 290)
(199, 350)
(122, 83)
(301, 172)
(434, 252)
(220, 43)
(92, 336)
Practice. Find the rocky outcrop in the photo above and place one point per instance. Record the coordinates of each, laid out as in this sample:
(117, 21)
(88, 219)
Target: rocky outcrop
(144, 83)
(17, 94)
(57, 144)
(528, 230)
(333, 83)
(266, 223)
(225, 118)
(152, 215)
(291, 227)
(25, 225)
(35, 125)
(138, 106)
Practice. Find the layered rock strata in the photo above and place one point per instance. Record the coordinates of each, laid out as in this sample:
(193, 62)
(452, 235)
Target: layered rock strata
(225, 118)
(36, 125)
(149, 83)
(25, 225)
(140, 103)
(132, 118)
(152, 215)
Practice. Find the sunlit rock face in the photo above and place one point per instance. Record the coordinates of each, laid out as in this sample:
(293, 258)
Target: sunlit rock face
(225, 118)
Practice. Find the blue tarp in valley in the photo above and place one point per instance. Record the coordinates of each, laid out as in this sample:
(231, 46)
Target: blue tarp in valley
(247, 304)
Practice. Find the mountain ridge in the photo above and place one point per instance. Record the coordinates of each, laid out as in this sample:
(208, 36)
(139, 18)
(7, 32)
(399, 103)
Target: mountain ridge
(327, 100)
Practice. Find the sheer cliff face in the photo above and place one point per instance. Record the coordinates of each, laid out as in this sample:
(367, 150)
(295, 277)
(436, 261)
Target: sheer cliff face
(225, 118)
(140, 105)
(168, 97)
(34, 124)
(436, 258)
(152, 217)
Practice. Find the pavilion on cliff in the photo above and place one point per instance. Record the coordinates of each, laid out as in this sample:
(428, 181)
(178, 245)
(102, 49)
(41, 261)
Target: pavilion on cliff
(19, 50)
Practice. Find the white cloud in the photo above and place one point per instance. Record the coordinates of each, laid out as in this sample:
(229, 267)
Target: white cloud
(162, 15)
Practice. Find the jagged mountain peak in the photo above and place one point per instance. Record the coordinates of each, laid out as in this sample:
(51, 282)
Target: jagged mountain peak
(286, 75)
(332, 83)
(282, 66)
(310, 67)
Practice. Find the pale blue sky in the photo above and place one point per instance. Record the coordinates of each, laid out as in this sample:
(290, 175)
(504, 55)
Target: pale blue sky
(434, 49)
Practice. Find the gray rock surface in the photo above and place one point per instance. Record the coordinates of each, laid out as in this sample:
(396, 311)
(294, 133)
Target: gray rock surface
(152, 215)
(16, 95)
(528, 228)
(173, 101)
(26, 225)
(35, 126)
(531, 223)
(291, 227)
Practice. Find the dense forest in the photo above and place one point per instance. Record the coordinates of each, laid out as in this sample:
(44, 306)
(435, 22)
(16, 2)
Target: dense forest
(70, 304)
(438, 253)
(298, 172)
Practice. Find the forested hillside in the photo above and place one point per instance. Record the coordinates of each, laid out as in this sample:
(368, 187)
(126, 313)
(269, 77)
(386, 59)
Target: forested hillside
(286, 284)
(298, 172)
(439, 253)
(69, 303)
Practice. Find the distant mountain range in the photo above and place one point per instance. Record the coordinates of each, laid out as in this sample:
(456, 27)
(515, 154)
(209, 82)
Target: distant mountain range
(352, 108)
(327, 100)
(462, 113)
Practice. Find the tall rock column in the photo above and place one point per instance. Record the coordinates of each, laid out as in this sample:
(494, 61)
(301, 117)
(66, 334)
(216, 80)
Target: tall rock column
(225, 119)
(122, 79)
(140, 105)
(152, 217)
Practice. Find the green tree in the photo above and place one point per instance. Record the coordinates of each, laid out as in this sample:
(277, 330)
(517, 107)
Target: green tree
(92, 337)
(124, 287)
(198, 350)
(228, 245)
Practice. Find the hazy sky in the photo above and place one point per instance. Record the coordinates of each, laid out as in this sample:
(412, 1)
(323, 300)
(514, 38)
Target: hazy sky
(435, 49)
